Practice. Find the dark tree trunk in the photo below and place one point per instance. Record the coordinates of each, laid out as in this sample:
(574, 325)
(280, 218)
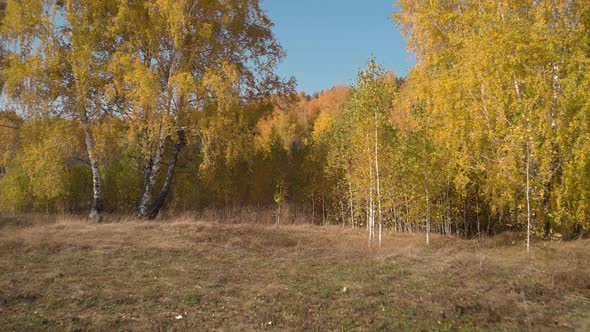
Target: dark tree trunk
(151, 175)
(158, 204)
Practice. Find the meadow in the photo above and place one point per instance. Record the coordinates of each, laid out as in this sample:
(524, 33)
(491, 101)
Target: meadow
(185, 273)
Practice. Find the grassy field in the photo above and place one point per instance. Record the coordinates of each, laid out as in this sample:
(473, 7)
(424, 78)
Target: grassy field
(185, 274)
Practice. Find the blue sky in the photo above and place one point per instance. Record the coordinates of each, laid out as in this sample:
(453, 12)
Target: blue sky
(328, 41)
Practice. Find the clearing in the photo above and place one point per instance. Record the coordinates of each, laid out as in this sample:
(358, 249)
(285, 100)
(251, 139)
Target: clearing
(185, 274)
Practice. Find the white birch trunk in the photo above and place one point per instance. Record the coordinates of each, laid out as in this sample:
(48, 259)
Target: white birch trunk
(152, 176)
(371, 202)
(159, 202)
(368, 211)
(528, 200)
(96, 208)
(426, 192)
(351, 204)
(427, 217)
(377, 178)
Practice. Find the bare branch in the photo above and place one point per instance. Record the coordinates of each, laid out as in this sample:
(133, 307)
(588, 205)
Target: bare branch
(9, 126)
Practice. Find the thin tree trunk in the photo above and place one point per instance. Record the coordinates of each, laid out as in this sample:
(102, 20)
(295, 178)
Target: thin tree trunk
(427, 209)
(516, 85)
(447, 210)
(477, 215)
(555, 163)
(96, 208)
(158, 204)
(324, 207)
(368, 213)
(528, 199)
(371, 205)
(427, 196)
(312, 210)
(152, 175)
(377, 178)
(395, 218)
(342, 212)
(351, 202)
(464, 231)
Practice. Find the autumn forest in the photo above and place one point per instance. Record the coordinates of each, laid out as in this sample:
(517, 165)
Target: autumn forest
(151, 107)
(160, 170)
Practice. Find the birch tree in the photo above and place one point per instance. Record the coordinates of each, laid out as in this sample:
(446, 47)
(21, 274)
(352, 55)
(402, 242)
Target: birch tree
(179, 56)
(57, 52)
(371, 100)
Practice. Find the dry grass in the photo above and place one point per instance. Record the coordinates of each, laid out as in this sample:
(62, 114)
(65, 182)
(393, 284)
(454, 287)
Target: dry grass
(66, 274)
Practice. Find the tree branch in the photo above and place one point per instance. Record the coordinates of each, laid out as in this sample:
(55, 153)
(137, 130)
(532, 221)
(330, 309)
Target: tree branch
(9, 127)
